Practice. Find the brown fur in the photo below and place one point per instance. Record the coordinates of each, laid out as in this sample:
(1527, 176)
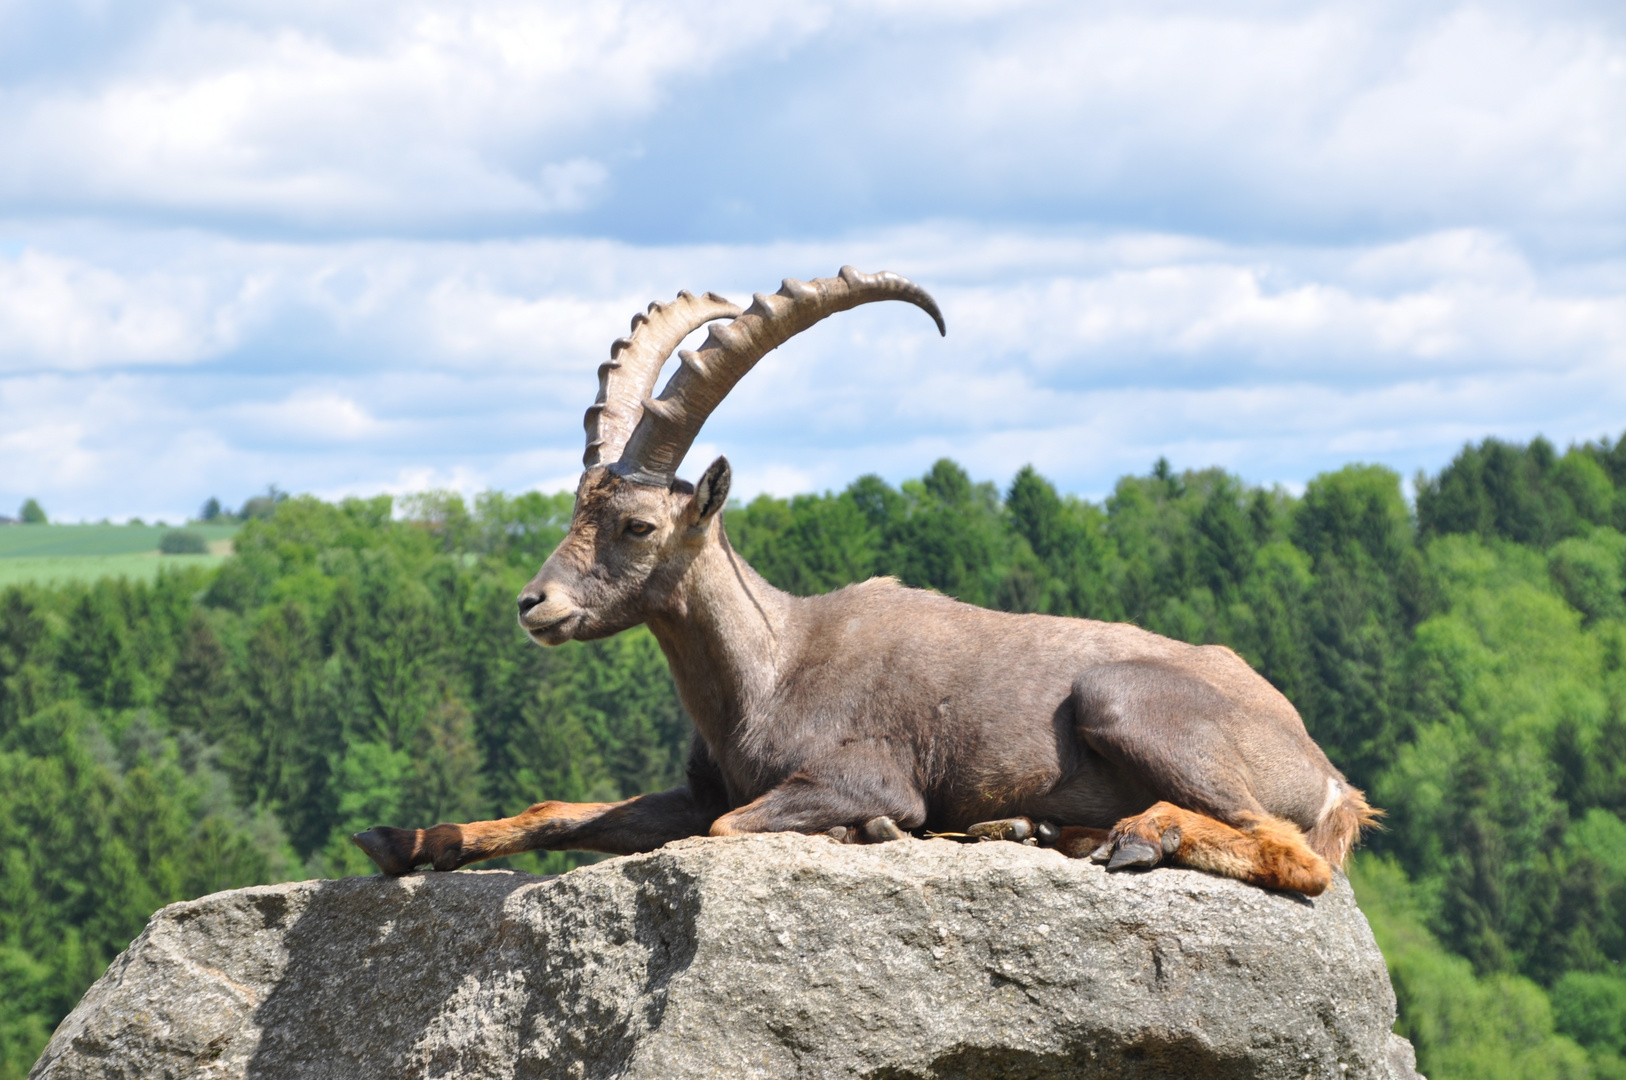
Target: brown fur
(827, 712)
(1339, 830)
(878, 706)
(875, 706)
(1078, 842)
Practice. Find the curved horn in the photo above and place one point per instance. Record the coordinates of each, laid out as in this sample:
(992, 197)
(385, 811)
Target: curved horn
(670, 424)
(628, 376)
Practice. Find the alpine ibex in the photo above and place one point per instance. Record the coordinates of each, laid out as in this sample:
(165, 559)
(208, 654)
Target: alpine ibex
(878, 708)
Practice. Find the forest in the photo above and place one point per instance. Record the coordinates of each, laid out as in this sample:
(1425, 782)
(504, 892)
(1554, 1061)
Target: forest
(1460, 654)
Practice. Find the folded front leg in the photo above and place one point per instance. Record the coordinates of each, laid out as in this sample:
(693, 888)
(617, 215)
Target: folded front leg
(811, 803)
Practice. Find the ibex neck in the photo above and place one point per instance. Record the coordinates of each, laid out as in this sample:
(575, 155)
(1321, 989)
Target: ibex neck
(725, 637)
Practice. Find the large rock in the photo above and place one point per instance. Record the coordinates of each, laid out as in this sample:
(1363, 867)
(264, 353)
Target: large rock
(765, 956)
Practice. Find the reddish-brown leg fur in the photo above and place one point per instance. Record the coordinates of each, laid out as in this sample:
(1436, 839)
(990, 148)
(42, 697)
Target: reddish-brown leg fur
(448, 846)
(624, 828)
(1261, 850)
(801, 804)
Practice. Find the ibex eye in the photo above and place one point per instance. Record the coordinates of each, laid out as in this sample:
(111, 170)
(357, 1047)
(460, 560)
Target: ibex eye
(640, 528)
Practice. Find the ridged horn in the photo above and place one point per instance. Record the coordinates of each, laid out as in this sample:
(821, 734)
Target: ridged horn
(628, 377)
(670, 424)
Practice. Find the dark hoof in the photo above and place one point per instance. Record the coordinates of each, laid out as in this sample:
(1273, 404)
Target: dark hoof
(1048, 833)
(390, 849)
(840, 834)
(878, 830)
(1014, 828)
(1132, 851)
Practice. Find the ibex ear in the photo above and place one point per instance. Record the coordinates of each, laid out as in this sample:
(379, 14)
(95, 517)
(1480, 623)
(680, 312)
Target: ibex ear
(711, 493)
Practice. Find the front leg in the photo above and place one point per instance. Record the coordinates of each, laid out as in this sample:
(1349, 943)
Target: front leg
(809, 803)
(642, 823)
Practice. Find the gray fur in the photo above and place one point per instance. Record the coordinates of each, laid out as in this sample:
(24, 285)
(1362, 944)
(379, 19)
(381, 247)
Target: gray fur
(882, 700)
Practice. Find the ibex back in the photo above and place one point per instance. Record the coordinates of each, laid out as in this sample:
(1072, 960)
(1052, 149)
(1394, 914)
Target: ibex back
(879, 708)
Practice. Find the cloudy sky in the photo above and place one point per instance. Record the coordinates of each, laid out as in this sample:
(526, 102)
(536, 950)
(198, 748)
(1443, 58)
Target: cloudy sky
(382, 246)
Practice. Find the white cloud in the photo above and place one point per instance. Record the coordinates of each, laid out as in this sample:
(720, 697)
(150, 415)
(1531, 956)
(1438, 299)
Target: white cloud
(416, 480)
(571, 185)
(486, 323)
(418, 112)
(396, 366)
(418, 118)
(1390, 113)
(309, 416)
(383, 246)
(61, 312)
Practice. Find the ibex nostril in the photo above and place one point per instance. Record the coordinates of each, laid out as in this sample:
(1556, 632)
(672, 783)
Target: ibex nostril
(527, 601)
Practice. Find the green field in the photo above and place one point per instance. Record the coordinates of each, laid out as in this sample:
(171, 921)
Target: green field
(52, 554)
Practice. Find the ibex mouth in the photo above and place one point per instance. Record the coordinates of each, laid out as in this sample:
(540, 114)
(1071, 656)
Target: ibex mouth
(556, 631)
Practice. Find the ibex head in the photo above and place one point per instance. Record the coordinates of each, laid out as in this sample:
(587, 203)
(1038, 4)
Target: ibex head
(637, 528)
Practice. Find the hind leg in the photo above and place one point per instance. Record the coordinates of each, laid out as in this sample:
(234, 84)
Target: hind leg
(1204, 759)
(1265, 851)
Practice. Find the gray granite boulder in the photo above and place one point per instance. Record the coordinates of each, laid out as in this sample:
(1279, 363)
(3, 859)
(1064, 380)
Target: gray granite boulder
(761, 956)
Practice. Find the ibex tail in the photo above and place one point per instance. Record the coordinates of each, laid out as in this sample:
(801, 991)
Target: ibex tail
(1342, 820)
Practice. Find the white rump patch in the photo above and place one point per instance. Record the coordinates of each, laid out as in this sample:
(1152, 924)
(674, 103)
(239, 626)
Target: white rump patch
(1335, 792)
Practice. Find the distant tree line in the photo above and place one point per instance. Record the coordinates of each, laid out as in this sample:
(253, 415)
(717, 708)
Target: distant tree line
(259, 506)
(358, 662)
(29, 514)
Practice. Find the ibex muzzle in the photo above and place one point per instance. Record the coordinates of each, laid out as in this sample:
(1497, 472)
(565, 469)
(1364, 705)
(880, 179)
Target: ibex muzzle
(877, 709)
(629, 544)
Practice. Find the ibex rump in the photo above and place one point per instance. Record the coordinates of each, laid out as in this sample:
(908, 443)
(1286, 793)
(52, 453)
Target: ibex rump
(876, 706)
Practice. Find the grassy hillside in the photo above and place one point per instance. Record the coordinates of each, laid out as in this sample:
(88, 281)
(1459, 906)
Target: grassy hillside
(57, 554)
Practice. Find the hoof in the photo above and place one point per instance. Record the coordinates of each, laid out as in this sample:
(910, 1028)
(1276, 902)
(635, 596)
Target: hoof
(1132, 851)
(1014, 828)
(840, 834)
(391, 849)
(878, 830)
(1048, 833)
